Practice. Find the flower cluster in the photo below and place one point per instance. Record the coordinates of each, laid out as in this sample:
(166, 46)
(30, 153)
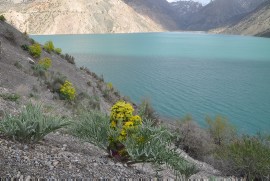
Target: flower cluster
(124, 123)
(45, 63)
(68, 91)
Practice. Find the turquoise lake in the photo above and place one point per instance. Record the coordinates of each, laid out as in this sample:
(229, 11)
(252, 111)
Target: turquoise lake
(183, 73)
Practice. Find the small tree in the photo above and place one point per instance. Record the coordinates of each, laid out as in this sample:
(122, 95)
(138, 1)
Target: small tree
(220, 130)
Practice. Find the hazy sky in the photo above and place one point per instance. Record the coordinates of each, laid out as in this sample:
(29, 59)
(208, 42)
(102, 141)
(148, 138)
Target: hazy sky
(202, 1)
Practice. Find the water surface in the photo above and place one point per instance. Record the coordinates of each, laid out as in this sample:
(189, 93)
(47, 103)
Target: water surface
(183, 73)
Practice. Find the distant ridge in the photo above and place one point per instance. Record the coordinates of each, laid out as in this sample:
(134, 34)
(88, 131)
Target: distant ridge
(76, 17)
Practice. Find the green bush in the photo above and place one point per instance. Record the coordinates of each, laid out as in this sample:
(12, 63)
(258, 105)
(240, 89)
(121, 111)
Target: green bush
(35, 50)
(31, 125)
(58, 51)
(48, 46)
(247, 157)
(2, 18)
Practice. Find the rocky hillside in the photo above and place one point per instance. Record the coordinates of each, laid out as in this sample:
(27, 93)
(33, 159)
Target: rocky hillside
(77, 17)
(221, 12)
(255, 23)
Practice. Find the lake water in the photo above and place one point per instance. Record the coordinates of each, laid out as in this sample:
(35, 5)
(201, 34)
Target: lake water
(183, 73)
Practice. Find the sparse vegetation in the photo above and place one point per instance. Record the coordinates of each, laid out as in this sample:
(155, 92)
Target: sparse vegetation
(49, 46)
(10, 96)
(45, 63)
(70, 59)
(2, 18)
(246, 156)
(31, 125)
(35, 50)
(18, 65)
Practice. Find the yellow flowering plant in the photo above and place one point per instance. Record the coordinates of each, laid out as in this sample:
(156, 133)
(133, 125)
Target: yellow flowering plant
(123, 123)
(68, 91)
(45, 63)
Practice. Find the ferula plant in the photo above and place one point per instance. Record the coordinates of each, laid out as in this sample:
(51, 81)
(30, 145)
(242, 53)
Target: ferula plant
(31, 125)
(123, 123)
(67, 91)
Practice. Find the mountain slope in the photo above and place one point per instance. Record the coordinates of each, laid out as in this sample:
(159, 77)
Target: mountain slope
(76, 17)
(158, 10)
(221, 12)
(256, 23)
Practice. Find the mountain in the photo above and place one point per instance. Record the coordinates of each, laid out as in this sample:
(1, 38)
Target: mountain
(220, 13)
(77, 17)
(255, 23)
(184, 9)
(158, 10)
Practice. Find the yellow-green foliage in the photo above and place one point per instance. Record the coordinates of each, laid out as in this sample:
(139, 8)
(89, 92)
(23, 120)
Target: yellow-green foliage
(48, 46)
(35, 50)
(110, 86)
(220, 130)
(68, 91)
(58, 51)
(45, 63)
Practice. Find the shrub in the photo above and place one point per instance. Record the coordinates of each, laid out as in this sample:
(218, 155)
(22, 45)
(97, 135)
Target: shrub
(58, 51)
(35, 50)
(10, 97)
(70, 59)
(25, 47)
(48, 46)
(55, 81)
(18, 65)
(93, 127)
(146, 111)
(2, 18)
(31, 125)
(67, 91)
(39, 71)
(220, 130)
(246, 157)
(192, 139)
(45, 63)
